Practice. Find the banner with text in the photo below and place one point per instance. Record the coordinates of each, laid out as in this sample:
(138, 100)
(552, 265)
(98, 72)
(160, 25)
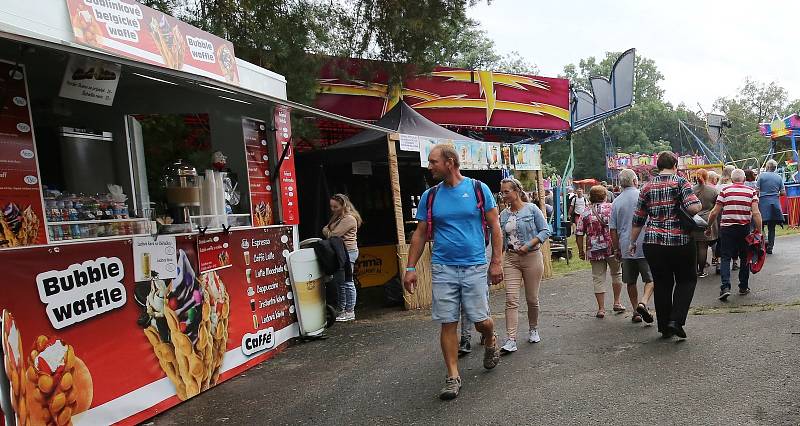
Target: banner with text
(132, 349)
(21, 218)
(131, 30)
(259, 177)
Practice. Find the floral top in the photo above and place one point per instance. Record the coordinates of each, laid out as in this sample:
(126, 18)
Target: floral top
(593, 223)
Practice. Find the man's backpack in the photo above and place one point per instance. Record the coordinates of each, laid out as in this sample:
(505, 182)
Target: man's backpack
(476, 185)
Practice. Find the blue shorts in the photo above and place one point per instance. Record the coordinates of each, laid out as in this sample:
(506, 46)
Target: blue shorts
(457, 287)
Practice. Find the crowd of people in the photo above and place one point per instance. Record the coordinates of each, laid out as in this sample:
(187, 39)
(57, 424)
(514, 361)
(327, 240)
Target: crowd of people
(636, 232)
(628, 232)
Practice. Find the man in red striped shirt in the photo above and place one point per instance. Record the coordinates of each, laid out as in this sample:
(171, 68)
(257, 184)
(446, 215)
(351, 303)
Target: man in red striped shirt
(737, 209)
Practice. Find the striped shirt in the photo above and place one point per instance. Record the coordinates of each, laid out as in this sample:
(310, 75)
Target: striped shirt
(736, 202)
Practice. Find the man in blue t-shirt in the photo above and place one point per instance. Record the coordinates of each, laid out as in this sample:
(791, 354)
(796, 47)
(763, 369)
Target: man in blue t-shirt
(458, 264)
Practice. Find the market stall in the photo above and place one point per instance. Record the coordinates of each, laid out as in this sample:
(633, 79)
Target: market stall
(148, 202)
(385, 178)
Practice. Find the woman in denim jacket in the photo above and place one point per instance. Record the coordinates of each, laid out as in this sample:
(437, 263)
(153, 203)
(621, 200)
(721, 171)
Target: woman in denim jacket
(524, 230)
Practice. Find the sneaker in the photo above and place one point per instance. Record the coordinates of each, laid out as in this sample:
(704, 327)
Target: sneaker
(342, 317)
(452, 385)
(744, 291)
(509, 346)
(351, 316)
(534, 337)
(491, 355)
(723, 294)
(702, 274)
(464, 346)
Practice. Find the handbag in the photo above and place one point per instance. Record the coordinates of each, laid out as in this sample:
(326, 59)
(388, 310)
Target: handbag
(689, 223)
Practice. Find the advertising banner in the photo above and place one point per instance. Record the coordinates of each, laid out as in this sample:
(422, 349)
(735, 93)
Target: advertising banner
(286, 175)
(83, 342)
(527, 157)
(376, 265)
(213, 250)
(258, 174)
(21, 217)
(90, 80)
(131, 30)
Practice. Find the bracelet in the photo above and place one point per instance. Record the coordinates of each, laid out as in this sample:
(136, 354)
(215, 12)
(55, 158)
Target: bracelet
(411, 269)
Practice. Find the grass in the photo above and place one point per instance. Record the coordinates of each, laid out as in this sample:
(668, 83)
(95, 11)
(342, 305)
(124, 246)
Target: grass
(780, 232)
(560, 267)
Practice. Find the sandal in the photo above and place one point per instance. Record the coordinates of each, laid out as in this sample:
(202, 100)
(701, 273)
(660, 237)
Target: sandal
(642, 310)
(600, 314)
(619, 308)
(636, 318)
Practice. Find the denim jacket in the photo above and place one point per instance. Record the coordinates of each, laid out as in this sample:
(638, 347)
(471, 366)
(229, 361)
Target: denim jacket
(530, 223)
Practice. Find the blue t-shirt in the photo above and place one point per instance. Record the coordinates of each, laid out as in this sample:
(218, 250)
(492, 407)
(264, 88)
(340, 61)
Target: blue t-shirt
(769, 183)
(457, 224)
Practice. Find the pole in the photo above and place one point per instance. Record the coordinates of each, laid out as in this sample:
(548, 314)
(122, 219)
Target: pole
(394, 181)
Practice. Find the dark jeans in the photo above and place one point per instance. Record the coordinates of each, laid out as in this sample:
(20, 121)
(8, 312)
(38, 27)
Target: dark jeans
(770, 233)
(734, 246)
(675, 277)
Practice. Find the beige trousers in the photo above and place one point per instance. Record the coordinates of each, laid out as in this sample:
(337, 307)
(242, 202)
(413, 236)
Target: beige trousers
(599, 273)
(519, 269)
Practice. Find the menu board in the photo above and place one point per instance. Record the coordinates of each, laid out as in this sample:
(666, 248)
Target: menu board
(268, 291)
(21, 211)
(213, 249)
(127, 344)
(286, 174)
(258, 173)
(131, 30)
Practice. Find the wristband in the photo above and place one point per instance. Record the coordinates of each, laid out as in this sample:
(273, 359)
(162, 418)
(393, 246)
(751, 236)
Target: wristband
(411, 269)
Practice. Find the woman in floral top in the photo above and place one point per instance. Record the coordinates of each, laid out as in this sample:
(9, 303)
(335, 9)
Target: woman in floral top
(669, 249)
(592, 226)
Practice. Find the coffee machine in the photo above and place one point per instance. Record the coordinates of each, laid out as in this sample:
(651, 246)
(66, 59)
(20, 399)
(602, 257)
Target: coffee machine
(182, 191)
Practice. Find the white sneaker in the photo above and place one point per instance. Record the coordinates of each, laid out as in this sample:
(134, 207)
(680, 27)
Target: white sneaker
(534, 337)
(342, 317)
(350, 316)
(509, 346)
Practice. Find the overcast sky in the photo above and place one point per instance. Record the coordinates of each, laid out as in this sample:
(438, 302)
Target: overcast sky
(704, 48)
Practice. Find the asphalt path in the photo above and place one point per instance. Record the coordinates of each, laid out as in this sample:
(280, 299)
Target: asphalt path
(739, 366)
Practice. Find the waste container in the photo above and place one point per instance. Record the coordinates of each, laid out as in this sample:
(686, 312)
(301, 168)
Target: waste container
(309, 291)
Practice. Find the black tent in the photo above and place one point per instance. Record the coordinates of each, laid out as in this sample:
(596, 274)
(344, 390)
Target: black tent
(324, 172)
(403, 119)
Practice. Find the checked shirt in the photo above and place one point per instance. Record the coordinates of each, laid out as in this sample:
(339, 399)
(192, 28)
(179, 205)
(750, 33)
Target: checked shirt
(658, 200)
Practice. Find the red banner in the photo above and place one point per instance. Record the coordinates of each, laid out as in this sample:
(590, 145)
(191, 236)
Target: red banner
(286, 174)
(258, 174)
(131, 30)
(21, 217)
(83, 342)
(450, 96)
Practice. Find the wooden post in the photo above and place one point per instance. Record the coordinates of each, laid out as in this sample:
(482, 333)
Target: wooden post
(394, 181)
(548, 263)
(422, 297)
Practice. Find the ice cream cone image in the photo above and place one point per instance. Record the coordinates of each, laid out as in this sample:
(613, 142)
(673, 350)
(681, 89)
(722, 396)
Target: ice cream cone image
(169, 42)
(263, 215)
(18, 227)
(186, 322)
(15, 367)
(58, 385)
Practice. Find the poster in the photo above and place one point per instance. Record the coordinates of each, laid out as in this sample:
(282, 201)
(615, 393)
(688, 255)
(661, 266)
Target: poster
(527, 157)
(90, 80)
(287, 178)
(409, 142)
(21, 217)
(480, 155)
(130, 30)
(258, 172)
(494, 155)
(464, 151)
(126, 344)
(425, 146)
(213, 250)
(154, 257)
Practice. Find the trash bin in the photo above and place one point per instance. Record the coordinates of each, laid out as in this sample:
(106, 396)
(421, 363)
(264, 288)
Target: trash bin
(309, 291)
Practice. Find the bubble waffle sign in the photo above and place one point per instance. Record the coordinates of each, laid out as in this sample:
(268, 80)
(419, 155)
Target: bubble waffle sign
(82, 291)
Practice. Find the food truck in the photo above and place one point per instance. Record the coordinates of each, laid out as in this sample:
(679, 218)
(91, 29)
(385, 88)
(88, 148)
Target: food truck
(148, 202)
